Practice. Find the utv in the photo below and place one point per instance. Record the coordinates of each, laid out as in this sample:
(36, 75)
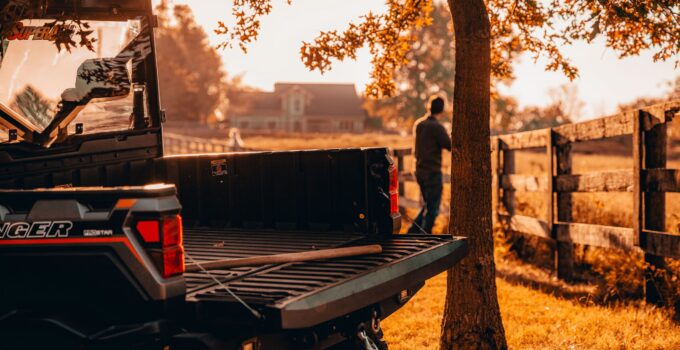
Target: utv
(97, 225)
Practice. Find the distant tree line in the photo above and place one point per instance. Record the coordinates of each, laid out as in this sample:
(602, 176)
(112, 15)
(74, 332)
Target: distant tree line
(194, 86)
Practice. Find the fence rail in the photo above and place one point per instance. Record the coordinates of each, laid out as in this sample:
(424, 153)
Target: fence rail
(648, 181)
(181, 144)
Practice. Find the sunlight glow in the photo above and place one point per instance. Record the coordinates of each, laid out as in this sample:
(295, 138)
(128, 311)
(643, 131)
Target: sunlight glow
(604, 82)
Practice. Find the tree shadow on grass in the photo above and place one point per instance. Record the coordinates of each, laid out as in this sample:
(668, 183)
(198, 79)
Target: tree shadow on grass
(515, 272)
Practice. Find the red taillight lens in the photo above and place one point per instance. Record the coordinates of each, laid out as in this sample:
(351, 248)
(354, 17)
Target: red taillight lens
(173, 251)
(394, 180)
(163, 238)
(394, 190)
(149, 231)
(173, 261)
(172, 231)
(394, 203)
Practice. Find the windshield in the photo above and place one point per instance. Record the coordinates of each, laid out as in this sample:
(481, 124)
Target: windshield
(38, 81)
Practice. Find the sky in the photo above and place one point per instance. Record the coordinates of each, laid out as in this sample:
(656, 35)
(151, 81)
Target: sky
(605, 81)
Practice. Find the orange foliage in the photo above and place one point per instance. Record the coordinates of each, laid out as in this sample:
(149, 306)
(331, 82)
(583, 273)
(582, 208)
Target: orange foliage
(538, 27)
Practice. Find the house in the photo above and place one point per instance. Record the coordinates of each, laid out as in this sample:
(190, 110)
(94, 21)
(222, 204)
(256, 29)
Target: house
(299, 107)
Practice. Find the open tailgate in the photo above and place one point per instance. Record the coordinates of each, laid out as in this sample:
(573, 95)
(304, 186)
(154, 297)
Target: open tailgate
(305, 294)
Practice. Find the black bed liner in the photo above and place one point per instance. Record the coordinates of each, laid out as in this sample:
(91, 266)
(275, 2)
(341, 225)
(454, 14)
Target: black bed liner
(300, 295)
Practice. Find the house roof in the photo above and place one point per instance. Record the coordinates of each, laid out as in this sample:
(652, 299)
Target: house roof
(324, 100)
(259, 103)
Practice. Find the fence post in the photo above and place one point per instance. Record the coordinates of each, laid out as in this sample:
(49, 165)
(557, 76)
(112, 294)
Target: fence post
(496, 164)
(550, 199)
(564, 257)
(508, 167)
(652, 204)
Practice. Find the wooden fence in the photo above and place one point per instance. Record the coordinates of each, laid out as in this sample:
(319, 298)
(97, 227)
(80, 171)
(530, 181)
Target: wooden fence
(648, 180)
(181, 144)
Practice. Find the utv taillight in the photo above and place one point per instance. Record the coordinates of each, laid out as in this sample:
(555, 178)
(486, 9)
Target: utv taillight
(394, 203)
(173, 251)
(173, 261)
(394, 190)
(164, 241)
(149, 231)
(172, 231)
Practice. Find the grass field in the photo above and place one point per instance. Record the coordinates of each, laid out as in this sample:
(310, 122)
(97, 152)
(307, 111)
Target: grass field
(538, 319)
(539, 312)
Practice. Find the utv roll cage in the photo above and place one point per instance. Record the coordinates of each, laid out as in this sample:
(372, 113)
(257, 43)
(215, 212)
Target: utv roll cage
(106, 78)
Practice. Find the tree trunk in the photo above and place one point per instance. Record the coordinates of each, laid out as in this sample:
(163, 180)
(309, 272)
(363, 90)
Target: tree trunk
(472, 318)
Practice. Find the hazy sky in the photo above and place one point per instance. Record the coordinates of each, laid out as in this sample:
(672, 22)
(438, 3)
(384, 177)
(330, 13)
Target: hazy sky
(605, 81)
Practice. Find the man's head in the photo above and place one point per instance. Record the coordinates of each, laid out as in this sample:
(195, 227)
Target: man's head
(436, 105)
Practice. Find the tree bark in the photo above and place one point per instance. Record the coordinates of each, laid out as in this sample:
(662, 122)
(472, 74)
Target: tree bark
(472, 318)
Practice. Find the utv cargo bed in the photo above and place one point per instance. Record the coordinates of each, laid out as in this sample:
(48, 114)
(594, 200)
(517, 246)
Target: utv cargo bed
(300, 295)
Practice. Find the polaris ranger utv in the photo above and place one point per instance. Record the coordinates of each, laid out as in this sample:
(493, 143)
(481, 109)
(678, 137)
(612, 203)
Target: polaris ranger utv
(97, 226)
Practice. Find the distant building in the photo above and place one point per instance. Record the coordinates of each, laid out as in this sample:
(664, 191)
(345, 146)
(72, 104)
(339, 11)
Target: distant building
(299, 107)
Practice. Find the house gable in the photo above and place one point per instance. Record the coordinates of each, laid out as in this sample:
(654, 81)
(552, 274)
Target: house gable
(299, 107)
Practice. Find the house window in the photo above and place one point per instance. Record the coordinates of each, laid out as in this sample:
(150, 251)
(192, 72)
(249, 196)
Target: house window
(317, 125)
(346, 125)
(296, 104)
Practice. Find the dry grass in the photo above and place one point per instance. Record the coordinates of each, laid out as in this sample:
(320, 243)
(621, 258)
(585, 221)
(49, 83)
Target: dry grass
(537, 320)
(312, 141)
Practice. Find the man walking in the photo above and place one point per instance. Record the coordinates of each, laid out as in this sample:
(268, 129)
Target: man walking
(430, 139)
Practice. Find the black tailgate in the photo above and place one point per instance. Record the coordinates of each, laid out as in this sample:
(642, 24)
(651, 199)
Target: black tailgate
(301, 295)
